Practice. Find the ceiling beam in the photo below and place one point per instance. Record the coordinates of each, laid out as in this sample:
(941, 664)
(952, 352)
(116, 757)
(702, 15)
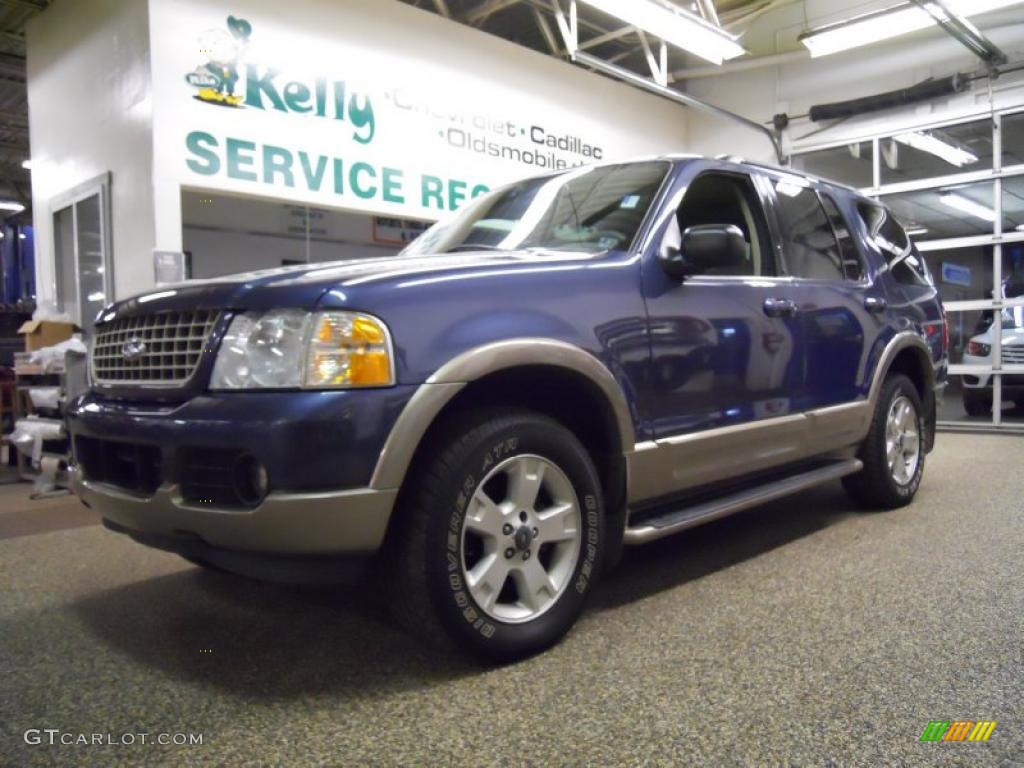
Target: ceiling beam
(547, 33)
(486, 9)
(607, 37)
(442, 8)
(963, 32)
(707, 10)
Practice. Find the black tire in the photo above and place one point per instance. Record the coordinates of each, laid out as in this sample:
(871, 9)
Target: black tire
(875, 487)
(424, 554)
(977, 402)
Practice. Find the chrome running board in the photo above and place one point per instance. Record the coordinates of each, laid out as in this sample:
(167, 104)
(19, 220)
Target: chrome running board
(680, 519)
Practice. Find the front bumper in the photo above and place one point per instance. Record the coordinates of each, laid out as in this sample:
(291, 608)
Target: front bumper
(164, 472)
(323, 523)
(1010, 381)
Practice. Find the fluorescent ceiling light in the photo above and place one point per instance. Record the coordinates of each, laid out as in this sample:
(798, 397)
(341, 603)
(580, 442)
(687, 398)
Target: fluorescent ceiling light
(789, 189)
(926, 142)
(888, 23)
(674, 25)
(26, 164)
(21, 235)
(968, 206)
(916, 231)
(10, 205)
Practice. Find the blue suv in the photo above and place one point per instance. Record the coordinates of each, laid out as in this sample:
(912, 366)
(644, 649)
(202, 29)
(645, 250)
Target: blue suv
(571, 364)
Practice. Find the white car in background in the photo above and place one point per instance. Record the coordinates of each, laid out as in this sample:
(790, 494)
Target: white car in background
(977, 388)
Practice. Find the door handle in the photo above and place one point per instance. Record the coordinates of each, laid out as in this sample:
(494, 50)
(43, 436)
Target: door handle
(780, 307)
(875, 304)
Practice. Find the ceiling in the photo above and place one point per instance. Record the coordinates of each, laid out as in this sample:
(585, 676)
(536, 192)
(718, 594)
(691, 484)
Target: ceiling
(527, 22)
(14, 180)
(532, 23)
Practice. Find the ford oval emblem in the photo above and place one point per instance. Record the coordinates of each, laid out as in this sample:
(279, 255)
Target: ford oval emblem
(133, 349)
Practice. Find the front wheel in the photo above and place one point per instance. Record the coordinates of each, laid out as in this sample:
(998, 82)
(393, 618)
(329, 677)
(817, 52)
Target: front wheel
(893, 452)
(977, 402)
(500, 536)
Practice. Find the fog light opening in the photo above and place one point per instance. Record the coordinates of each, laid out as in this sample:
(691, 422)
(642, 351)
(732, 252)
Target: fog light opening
(252, 482)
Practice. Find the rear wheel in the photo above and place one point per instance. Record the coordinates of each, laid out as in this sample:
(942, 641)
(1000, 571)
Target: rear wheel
(893, 452)
(499, 537)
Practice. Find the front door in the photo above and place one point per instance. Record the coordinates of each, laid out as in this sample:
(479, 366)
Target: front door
(726, 343)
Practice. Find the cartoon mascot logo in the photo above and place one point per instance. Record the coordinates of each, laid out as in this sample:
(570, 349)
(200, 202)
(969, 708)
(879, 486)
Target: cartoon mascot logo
(216, 79)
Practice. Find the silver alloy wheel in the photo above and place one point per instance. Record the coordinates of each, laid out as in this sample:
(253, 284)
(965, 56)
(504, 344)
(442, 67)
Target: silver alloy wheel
(902, 440)
(521, 538)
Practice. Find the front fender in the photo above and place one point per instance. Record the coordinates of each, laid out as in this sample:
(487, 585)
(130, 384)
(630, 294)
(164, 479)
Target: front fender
(446, 382)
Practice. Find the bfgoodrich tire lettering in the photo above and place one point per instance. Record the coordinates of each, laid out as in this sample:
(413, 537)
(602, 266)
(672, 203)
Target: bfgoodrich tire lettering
(434, 547)
(893, 451)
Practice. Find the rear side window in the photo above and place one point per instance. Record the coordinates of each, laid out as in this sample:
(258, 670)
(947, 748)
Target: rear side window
(811, 249)
(853, 266)
(904, 261)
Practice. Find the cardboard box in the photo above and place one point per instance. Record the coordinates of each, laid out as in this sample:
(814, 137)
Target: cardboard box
(45, 333)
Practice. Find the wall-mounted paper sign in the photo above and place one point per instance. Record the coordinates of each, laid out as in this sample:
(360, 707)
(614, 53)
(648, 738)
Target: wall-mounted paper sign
(170, 267)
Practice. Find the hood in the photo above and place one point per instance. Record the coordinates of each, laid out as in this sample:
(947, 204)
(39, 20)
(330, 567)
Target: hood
(1011, 336)
(304, 286)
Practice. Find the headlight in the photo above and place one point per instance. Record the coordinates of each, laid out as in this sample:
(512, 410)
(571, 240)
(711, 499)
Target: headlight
(289, 349)
(977, 349)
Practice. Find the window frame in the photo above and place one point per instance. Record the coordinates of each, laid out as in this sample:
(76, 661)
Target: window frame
(824, 195)
(926, 279)
(812, 187)
(769, 249)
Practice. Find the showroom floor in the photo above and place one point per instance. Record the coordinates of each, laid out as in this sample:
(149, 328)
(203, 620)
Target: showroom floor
(800, 632)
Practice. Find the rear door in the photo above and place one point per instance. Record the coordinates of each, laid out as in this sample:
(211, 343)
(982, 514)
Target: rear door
(842, 310)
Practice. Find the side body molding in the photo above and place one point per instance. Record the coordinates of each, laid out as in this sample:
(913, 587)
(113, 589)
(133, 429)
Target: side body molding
(449, 379)
(676, 463)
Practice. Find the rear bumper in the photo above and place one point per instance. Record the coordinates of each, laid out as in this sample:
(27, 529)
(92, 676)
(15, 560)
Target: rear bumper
(348, 522)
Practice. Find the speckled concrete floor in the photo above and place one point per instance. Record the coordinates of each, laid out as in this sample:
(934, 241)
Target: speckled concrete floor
(801, 633)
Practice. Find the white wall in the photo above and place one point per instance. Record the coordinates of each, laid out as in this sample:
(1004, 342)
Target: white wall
(794, 86)
(108, 93)
(90, 110)
(398, 56)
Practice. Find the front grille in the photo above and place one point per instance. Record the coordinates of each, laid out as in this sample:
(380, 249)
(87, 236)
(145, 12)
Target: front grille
(1014, 354)
(131, 466)
(161, 349)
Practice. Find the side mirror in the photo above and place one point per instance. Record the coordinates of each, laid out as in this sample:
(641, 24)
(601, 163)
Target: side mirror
(704, 247)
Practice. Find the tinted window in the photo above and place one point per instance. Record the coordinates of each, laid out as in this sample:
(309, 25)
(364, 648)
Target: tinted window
(853, 267)
(904, 261)
(589, 210)
(728, 199)
(810, 245)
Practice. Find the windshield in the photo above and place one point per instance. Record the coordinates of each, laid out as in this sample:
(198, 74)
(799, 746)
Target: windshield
(589, 210)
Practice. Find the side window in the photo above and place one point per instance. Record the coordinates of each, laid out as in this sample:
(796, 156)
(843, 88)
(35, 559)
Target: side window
(853, 265)
(904, 261)
(725, 198)
(811, 250)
